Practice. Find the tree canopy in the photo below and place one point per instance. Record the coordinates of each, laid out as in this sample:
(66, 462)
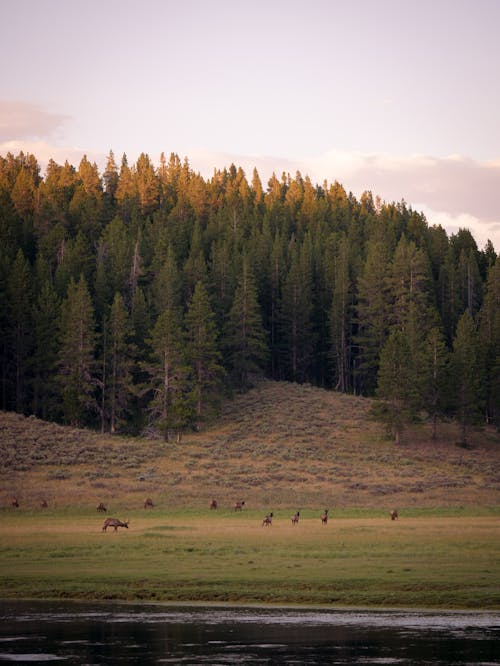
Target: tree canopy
(142, 296)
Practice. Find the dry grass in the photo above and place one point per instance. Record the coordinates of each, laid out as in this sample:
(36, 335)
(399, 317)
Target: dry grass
(280, 445)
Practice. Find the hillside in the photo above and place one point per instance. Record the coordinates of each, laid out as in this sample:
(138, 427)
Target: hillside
(280, 445)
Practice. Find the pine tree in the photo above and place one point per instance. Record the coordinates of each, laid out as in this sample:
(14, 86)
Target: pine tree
(47, 313)
(19, 297)
(245, 338)
(467, 375)
(147, 184)
(489, 335)
(120, 361)
(372, 314)
(296, 315)
(168, 375)
(167, 285)
(433, 376)
(76, 358)
(394, 385)
(341, 317)
(202, 352)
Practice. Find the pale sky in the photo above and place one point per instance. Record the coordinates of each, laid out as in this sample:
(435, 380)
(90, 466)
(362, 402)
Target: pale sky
(394, 96)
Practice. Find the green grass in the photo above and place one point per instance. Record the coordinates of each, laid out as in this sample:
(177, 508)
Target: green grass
(424, 561)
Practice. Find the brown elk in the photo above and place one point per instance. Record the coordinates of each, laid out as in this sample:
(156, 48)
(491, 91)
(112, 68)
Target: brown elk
(15, 503)
(324, 517)
(43, 504)
(114, 522)
(268, 520)
(295, 518)
(213, 504)
(394, 514)
(148, 504)
(239, 505)
(101, 507)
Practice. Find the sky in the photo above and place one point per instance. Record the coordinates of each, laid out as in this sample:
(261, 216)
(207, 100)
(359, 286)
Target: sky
(397, 97)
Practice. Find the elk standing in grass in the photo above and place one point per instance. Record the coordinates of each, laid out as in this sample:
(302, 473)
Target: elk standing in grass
(114, 522)
(268, 520)
(15, 503)
(324, 517)
(43, 504)
(148, 504)
(295, 518)
(213, 504)
(101, 507)
(394, 514)
(239, 505)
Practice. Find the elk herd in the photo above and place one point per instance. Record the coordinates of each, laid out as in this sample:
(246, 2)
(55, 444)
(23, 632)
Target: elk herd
(237, 506)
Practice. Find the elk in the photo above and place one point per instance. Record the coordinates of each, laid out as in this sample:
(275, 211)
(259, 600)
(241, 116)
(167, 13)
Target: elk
(295, 518)
(213, 504)
(268, 520)
(239, 505)
(101, 507)
(148, 504)
(324, 517)
(15, 503)
(43, 504)
(114, 522)
(394, 514)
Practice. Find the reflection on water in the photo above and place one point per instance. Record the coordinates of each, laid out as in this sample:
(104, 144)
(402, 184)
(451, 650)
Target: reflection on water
(76, 633)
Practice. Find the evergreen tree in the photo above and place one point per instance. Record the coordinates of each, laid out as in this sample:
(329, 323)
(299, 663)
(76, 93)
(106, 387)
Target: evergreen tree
(467, 375)
(489, 336)
(47, 313)
(76, 358)
(19, 297)
(372, 314)
(167, 285)
(147, 185)
(433, 376)
(202, 352)
(245, 338)
(120, 361)
(168, 375)
(395, 383)
(340, 318)
(296, 315)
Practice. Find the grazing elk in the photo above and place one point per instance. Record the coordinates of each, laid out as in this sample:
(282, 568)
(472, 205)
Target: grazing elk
(43, 504)
(148, 504)
(394, 514)
(114, 522)
(239, 505)
(324, 517)
(295, 518)
(15, 503)
(101, 507)
(213, 504)
(268, 520)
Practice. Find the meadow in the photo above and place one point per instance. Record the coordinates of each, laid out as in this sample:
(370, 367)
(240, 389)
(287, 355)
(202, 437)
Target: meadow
(281, 448)
(447, 561)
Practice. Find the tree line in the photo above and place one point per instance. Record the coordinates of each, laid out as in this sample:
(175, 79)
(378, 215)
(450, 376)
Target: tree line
(140, 298)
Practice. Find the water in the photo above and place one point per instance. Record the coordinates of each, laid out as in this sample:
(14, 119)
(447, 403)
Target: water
(78, 633)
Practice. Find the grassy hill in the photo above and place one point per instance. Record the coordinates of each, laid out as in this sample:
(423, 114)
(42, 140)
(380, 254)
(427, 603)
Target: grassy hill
(280, 445)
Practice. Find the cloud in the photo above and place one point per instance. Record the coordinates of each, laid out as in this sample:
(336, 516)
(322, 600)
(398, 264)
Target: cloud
(24, 120)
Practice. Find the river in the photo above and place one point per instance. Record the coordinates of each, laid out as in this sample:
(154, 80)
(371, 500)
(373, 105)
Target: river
(103, 633)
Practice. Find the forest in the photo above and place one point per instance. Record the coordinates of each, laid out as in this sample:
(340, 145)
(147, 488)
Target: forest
(136, 301)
